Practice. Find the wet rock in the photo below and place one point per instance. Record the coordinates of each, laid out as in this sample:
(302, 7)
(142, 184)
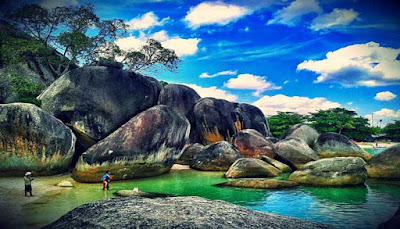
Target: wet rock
(279, 165)
(304, 132)
(216, 157)
(65, 183)
(251, 167)
(147, 145)
(259, 183)
(392, 223)
(32, 140)
(189, 153)
(127, 193)
(385, 164)
(214, 120)
(295, 152)
(179, 97)
(337, 145)
(251, 143)
(338, 171)
(173, 212)
(96, 100)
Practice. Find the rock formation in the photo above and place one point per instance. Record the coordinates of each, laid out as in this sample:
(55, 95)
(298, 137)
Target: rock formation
(385, 164)
(259, 183)
(251, 143)
(251, 167)
(179, 97)
(295, 151)
(304, 132)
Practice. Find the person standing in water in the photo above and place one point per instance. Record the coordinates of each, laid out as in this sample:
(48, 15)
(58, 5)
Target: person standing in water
(28, 183)
(106, 180)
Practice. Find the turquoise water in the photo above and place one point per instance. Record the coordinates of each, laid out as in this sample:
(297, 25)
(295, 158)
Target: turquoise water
(364, 206)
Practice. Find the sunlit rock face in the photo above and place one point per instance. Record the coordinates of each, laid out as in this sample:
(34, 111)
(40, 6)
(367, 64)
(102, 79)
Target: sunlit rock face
(338, 171)
(147, 145)
(304, 132)
(218, 156)
(295, 152)
(214, 120)
(385, 164)
(96, 100)
(336, 145)
(32, 140)
(252, 144)
(251, 167)
(179, 97)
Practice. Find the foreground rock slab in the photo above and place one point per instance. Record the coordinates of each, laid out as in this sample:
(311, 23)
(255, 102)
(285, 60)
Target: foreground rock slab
(339, 171)
(127, 193)
(251, 167)
(385, 164)
(260, 183)
(173, 212)
(32, 140)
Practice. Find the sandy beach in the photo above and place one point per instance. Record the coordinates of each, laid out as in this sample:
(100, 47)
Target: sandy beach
(380, 144)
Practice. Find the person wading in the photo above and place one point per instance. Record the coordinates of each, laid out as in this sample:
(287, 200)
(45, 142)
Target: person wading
(28, 183)
(106, 180)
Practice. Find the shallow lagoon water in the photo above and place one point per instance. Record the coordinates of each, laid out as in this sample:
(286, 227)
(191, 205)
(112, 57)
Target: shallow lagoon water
(349, 207)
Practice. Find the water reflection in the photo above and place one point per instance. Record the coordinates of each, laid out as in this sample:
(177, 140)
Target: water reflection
(348, 195)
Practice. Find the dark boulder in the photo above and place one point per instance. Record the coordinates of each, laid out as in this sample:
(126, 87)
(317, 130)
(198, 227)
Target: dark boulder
(95, 100)
(173, 212)
(259, 183)
(218, 156)
(392, 223)
(295, 152)
(272, 139)
(307, 133)
(385, 164)
(147, 145)
(189, 153)
(214, 120)
(251, 167)
(337, 145)
(179, 97)
(338, 171)
(251, 143)
(32, 140)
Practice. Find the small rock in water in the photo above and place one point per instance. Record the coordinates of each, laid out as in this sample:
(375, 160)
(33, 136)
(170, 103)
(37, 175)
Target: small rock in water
(259, 183)
(65, 183)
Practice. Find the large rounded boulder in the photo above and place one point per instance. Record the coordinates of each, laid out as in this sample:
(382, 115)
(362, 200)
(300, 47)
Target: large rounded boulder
(307, 133)
(336, 145)
(295, 152)
(251, 167)
(218, 156)
(179, 97)
(96, 100)
(147, 145)
(385, 164)
(214, 120)
(32, 140)
(339, 171)
(189, 153)
(251, 143)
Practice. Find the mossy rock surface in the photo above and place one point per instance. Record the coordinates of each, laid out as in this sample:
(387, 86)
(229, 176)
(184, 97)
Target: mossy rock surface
(253, 144)
(295, 152)
(251, 167)
(32, 140)
(385, 164)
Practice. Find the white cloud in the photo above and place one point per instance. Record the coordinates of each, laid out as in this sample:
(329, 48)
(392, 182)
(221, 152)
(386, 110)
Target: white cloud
(357, 65)
(270, 105)
(293, 13)
(181, 46)
(54, 3)
(223, 73)
(146, 21)
(385, 114)
(338, 17)
(212, 92)
(286, 82)
(349, 103)
(251, 82)
(385, 96)
(214, 13)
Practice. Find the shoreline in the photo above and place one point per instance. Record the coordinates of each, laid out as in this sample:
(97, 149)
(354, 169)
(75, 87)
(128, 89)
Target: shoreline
(365, 145)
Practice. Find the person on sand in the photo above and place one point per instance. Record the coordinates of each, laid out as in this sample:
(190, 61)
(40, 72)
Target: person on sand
(28, 183)
(106, 180)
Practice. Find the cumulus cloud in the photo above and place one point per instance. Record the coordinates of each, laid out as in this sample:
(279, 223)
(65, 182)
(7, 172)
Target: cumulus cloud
(270, 105)
(338, 17)
(223, 73)
(357, 65)
(214, 13)
(55, 3)
(385, 114)
(293, 13)
(181, 46)
(251, 82)
(385, 96)
(212, 92)
(146, 21)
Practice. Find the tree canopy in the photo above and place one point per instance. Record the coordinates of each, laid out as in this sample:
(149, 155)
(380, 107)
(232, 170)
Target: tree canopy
(282, 121)
(392, 130)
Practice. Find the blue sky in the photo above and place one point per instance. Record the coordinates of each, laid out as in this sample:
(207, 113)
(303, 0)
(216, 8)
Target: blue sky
(279, 55)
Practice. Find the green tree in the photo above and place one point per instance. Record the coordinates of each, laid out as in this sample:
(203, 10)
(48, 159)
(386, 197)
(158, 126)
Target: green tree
(333, 120)
(25, 89)
(282, 121)
(392, 130)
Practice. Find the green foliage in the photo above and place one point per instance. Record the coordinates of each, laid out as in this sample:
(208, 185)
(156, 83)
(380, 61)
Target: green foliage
(282, 121)
(333, 120)
(25, 89)
(392, 130)
(163, 83)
